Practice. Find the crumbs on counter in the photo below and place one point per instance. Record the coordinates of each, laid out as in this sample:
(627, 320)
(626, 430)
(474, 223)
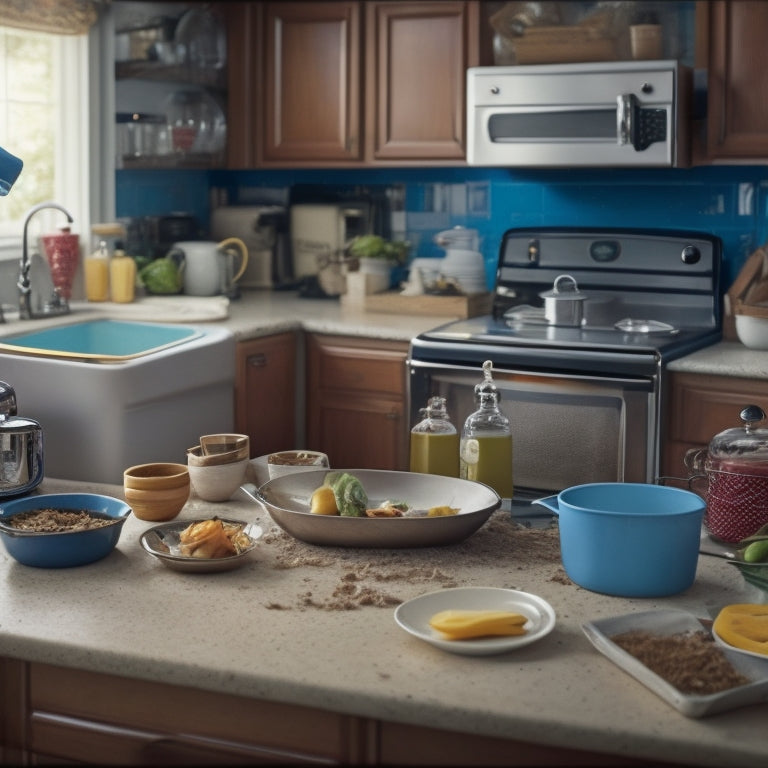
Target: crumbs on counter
(376, 580)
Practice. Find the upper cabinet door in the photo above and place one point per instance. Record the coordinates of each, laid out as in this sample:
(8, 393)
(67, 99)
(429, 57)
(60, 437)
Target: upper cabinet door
(737, 121)
(312, 82)
(417, 55)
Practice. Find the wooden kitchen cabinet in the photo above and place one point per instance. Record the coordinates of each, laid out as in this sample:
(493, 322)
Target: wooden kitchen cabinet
(737, 100)
(86, 717)
(699, 407)
(312, 75)
(332, 84)
(54, 715)
(417, 55)
(266, 394)
(356, 401)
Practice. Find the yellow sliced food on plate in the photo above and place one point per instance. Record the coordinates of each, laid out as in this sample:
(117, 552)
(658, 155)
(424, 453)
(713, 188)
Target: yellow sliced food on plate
(464, 625)
(745, 626)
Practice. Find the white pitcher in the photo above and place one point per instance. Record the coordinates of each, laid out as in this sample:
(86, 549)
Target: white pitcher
(209, 268)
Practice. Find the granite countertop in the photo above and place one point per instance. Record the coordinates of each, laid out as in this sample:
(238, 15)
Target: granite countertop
(314, 626)
(262, 312)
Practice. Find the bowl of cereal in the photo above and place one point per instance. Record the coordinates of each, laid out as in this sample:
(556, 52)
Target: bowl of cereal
(61, 530)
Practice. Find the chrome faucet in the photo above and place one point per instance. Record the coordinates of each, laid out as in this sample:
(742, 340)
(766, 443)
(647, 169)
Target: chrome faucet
(58, 304)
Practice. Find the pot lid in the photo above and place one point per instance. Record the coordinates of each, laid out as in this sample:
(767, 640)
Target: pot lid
(564, 289)
(746, 443)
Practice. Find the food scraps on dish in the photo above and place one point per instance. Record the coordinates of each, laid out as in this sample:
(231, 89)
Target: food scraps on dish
(213, 538)
(57, 520)
(343, 494)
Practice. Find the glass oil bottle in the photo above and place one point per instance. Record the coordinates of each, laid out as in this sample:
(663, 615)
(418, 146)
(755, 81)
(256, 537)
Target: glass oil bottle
(486, 440)
(435, 442)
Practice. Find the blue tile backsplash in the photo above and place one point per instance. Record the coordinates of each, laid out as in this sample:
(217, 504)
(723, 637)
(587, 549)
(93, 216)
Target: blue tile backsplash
(728, 201)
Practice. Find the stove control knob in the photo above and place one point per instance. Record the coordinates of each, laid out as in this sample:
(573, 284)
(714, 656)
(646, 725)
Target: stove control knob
(690, 255)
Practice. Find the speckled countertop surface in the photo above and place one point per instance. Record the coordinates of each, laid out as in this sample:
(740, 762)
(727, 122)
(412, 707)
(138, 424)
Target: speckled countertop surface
(256, 313)
(268, 630)
(274, 630)
(261, 313)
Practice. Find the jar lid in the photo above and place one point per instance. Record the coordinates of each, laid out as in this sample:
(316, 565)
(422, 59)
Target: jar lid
(746, 443)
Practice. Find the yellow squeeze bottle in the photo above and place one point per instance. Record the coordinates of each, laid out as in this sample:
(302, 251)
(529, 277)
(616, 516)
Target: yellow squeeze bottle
(97, 274)
(122, 270)
(435, 442)
(486, 440)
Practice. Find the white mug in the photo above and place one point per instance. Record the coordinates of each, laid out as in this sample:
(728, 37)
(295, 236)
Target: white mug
(205, 272)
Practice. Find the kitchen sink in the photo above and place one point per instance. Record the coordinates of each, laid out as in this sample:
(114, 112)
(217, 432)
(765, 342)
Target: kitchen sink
(111, 394)
(99, 340)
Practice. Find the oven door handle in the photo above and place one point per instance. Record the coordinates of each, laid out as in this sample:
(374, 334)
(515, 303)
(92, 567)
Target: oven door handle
(626, 107)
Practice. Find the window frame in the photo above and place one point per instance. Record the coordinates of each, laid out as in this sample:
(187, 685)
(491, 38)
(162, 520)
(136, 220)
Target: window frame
(74, 151)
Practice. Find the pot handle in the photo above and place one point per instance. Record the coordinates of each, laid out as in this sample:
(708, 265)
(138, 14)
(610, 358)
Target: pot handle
(694, 460)
(550, 502)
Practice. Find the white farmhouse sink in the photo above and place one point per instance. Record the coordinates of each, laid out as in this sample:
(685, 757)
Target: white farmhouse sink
(110, 394)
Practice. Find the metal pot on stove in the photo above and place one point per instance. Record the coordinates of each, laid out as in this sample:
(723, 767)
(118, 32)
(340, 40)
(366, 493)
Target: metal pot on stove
(735, 468)
(21, 448)
(564, 304)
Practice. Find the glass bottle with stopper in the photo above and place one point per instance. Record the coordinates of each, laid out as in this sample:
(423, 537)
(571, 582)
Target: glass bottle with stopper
(435, 441)
(486, 440)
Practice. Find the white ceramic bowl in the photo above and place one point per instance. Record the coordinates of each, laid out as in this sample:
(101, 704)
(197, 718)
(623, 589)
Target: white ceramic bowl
(287, 500)
(752, 331)
(288, 462)
(219, 481)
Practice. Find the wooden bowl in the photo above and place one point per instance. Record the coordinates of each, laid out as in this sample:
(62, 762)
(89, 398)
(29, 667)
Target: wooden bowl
(156, 492)
(224, 443)
(196, 457)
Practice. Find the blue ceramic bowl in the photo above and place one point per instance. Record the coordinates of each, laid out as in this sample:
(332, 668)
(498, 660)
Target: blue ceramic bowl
(629, 539)
(68, 548)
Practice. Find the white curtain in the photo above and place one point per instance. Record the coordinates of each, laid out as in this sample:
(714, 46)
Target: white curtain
(65, 17)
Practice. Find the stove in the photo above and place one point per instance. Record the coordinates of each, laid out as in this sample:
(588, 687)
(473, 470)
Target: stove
(651, 296)
(664, 285)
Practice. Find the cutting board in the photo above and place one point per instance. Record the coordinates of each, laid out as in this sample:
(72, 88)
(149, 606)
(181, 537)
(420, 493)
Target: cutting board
(171, 309)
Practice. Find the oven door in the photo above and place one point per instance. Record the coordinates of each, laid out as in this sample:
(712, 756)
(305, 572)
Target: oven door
(566, 429)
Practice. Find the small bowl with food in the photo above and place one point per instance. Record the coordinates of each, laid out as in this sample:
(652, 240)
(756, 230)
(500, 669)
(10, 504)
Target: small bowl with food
(287, 462)
(62, 530)
(376, 507)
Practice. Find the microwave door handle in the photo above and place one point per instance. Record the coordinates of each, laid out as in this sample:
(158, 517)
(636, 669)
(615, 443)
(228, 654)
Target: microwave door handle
(626, 106)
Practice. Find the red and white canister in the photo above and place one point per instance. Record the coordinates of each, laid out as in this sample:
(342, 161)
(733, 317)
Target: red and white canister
(736, 469)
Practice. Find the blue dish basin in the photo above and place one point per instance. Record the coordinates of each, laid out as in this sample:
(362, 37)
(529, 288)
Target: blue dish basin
(98, 340)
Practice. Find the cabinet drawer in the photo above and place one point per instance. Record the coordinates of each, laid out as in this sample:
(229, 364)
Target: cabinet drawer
(74, 711)
(342, 363)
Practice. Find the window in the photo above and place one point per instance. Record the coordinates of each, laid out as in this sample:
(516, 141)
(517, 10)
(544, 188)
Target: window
(44, 121)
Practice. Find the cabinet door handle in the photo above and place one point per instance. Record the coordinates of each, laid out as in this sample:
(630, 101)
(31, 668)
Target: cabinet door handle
(258, 360)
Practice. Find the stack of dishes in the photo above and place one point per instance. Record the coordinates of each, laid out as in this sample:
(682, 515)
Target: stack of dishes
(467, 268)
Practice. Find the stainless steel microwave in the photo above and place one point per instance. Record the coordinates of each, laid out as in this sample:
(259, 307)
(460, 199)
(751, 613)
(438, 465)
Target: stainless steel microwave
(606, 114)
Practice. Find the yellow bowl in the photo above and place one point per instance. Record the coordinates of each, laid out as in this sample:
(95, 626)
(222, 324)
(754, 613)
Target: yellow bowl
(156, 492)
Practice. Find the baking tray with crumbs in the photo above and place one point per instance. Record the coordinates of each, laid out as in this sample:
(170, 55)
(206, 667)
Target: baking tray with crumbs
(665, 623)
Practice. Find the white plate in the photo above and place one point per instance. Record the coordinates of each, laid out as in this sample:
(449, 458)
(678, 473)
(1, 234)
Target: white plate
(414, 615)
(670, 622)
(162, 542)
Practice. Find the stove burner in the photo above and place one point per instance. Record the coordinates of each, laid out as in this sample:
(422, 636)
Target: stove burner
(629, 325)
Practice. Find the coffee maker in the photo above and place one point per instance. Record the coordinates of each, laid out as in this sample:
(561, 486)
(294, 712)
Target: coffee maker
(263, 228)
(320, 233)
